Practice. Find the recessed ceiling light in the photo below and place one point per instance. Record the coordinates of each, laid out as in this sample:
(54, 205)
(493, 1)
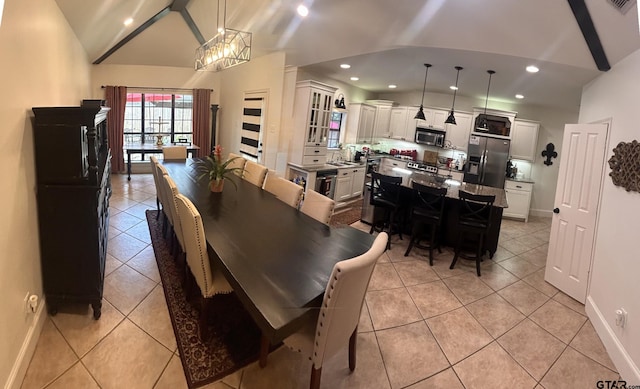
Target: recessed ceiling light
(519, 96)
(354, 78)
(345, 65)
(128, 21)
(532, 69)
(453, 87)
(302, 10)
(392, 86)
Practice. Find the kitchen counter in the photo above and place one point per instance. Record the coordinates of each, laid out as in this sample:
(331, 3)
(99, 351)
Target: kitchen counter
(525, 180)
(325, 167)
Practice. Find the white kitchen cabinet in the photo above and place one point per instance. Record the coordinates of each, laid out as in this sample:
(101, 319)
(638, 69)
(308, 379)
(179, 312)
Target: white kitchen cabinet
(398, 122)
(349, 183)
(311, 115)
(433, 118)
(455, 174)
(524, 140)
(360, 123)
(382, 118)
(518, 199)
(458, 135)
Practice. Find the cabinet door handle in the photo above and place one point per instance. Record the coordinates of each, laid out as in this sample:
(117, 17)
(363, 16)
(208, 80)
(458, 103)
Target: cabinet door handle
(518, 186)
(344, 174)
(316, 160)
(316, 151)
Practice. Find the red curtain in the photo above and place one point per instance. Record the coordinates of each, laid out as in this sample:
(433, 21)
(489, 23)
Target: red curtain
(116, 97)
(201, 122)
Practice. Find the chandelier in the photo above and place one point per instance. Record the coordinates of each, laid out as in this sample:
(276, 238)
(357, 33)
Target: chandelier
(228, 48)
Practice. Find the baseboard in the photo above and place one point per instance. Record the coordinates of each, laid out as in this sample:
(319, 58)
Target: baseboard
(626, 367)
(541, 212)
(28, 348)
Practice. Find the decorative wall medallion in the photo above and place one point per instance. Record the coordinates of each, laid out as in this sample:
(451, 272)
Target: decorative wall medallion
(549, 153)
(625, 165)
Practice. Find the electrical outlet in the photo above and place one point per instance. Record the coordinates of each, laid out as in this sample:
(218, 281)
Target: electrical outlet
(621, 317)
(25, 303)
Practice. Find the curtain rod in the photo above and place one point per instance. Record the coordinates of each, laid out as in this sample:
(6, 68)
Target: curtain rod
(152, 88)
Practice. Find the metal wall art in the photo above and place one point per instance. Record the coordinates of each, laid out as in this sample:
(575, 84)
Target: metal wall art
(549, 152)
(625, 165)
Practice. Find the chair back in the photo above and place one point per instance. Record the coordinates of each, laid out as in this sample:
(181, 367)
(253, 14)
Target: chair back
(318, 206)
(384, 189)
(237, 162)
(427, 202)
(171, 191)
(210, 282)
(174, 152)
(154, 172)
(475, 210)
(343, 299)
(161, 172)
(285, 190)
(254, 173)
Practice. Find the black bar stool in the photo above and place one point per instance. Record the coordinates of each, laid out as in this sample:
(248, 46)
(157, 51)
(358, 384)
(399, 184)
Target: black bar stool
(385, 197)
(427, 206)
(474, 220)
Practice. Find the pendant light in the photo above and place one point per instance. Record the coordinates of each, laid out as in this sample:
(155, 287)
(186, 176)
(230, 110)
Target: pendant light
(451, 119)
(420, 114)
(483, 122)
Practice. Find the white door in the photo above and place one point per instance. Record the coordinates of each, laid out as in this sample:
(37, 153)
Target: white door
(252, 131)
(576, 207)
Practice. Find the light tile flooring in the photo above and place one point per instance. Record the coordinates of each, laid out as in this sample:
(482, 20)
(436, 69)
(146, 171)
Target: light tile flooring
(421, 326)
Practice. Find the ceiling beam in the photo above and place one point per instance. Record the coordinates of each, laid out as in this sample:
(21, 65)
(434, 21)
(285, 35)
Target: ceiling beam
(179, 5)
(165, 11)
(590, 34)
(192, 26)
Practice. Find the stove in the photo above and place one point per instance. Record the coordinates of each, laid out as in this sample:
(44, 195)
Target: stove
(422, 167)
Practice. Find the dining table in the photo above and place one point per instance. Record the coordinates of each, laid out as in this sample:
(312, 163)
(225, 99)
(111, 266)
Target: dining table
(151, 148)
(277, 259)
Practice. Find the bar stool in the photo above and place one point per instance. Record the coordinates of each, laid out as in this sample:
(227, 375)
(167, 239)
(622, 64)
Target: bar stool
(474, 220)
(427, 207)
(385, 198)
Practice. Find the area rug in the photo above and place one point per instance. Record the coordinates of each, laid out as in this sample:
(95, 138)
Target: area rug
(345, 218)
(234, 339)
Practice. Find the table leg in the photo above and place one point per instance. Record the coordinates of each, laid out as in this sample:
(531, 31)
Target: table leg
(129, 166)
(264, 351)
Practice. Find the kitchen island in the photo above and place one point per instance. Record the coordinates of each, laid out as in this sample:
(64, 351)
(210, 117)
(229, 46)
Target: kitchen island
(452, 201)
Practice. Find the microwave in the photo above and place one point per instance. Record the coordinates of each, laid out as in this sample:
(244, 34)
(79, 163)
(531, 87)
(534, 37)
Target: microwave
(430, 137)
(492, 125)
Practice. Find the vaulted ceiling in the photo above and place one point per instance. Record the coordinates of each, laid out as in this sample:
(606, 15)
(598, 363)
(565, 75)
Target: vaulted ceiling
(386, 42)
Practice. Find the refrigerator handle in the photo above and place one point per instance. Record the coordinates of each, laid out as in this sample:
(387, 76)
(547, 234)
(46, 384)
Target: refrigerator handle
(483, 165)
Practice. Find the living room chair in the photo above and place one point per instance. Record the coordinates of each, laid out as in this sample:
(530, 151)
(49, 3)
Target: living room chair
(237, 162)
(427, 207)
(474, 221)
(285, 190)
(254, 173)
(338, 317)
(318, 206)
(210, 281)
(174, 152)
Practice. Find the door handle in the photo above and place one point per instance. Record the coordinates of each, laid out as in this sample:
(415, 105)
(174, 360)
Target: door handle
(556, 210)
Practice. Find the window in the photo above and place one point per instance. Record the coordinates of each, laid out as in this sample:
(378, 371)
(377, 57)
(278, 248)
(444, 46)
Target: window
(149, 117)
(334, 130)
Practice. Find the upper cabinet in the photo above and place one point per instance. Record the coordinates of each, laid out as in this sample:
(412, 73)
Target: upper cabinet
(312, 113)
(360, 121)
(433, 118)
(382, 118)
(398, 122)
(524, 139)
(458, 135)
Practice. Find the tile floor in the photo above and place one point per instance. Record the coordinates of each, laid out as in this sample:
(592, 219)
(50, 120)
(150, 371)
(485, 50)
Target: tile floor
(421, 326)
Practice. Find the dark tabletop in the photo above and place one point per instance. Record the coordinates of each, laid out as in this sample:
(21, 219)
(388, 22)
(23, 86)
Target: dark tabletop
(277, 259)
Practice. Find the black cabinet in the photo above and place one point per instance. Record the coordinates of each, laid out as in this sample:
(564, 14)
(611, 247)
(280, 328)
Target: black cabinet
(73, 162)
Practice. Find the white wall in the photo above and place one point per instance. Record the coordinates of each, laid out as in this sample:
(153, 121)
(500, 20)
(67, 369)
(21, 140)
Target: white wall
(616, 263)
(42, 64)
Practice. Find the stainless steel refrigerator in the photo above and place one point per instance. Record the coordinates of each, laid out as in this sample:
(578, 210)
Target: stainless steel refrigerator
(486, 161)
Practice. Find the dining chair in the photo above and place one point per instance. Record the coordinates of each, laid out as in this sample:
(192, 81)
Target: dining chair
(385, 198)
(474, 221)
(210, 281)
(176, 239)
(318, 206)
(254, 173)
(427, 208)
(338, 317)
(174, 152)
(167, 219)
(154, 173)
(237, 162)
(285, 190)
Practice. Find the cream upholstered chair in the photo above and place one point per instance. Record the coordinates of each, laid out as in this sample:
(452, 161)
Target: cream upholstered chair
(174, 152)
(318, 206)
(237, 163)
(170, 192)
(167, 218)
(285, 190)
(340, 311)
(209, 280)
(154, 173)
(254, 173)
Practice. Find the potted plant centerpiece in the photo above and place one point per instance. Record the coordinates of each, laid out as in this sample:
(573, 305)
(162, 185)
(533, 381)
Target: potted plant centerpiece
(216, 170)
